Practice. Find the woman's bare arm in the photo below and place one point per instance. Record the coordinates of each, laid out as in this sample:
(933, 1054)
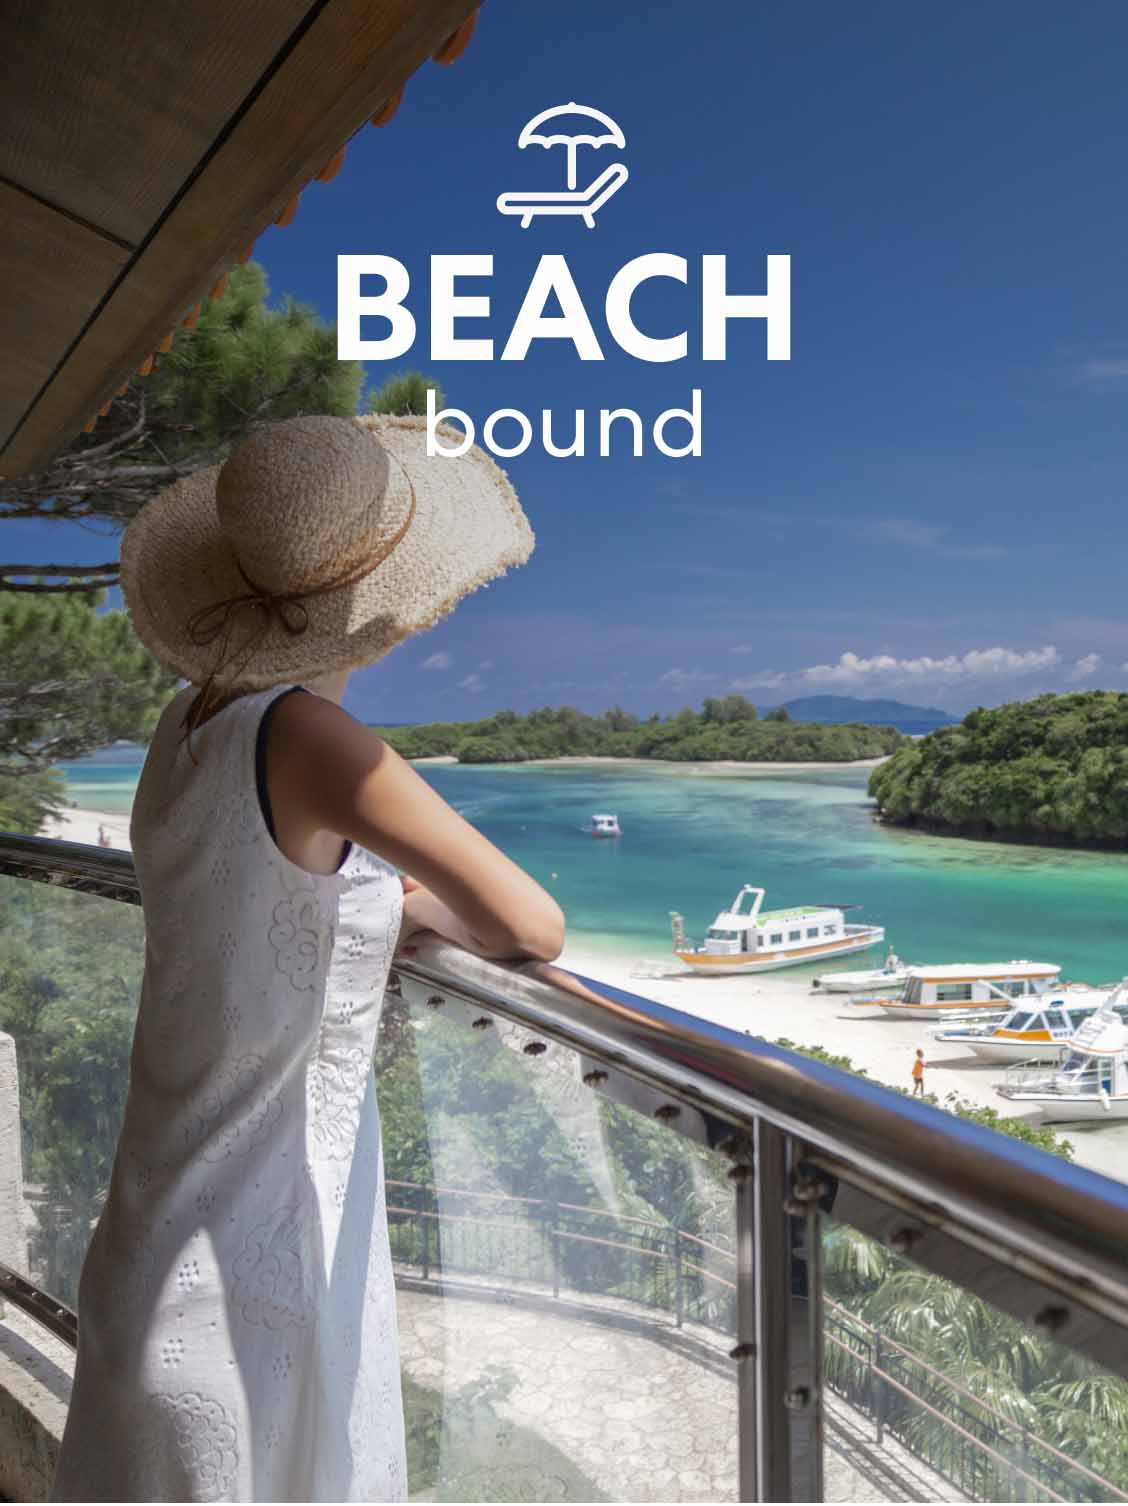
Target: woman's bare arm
(328, 773)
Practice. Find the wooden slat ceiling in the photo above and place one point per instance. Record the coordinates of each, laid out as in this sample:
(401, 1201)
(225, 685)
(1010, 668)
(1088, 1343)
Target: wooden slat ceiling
(144, 144)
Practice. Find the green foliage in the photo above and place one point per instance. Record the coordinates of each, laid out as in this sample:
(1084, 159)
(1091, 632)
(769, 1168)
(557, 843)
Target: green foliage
(1039, 1135)
(74, 679)
(26, 801)
(726, 728)
(1025, 1390)
(405, 392)
(1052, 769)
(245, 363)
(70, 971)
(729, 708)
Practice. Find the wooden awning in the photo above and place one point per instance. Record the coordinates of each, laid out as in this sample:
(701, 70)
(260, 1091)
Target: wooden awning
(144, 144)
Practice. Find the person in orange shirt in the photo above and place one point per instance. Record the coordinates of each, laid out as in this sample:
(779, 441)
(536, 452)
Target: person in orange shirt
(918, 1074)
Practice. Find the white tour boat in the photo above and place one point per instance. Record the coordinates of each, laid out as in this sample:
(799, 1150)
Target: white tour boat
(1090, 1083)
(966, 988)
(756, 941)
(1036, 1031)
(604, 826)
(893, 974)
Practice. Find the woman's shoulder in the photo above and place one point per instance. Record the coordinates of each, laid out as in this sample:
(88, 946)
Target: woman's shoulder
(315, 720)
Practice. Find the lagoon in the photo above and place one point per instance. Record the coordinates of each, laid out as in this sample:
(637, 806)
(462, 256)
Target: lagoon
(691, 839)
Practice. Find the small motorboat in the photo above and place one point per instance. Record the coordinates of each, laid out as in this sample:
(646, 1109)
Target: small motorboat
(753, 940)
(893, 974)
(1032, 1032)
(961, 989)
(1091, 1082)
(604, 826)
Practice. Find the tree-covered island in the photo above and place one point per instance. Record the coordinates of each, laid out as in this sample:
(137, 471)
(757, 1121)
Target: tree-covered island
(726, 727)
(1053, 769)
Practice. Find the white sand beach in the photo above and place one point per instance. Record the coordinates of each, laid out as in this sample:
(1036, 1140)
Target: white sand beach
(722, 767)
(772, 1005)
(77, 825)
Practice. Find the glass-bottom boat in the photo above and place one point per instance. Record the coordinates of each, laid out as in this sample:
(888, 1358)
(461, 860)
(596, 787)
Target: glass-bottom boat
(1032, 1032)
(978, 989)
(759, 941)
(1091, 1082)
(603, 825)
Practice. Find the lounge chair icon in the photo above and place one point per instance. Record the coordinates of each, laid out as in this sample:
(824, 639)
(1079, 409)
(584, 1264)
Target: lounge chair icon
(584, 202)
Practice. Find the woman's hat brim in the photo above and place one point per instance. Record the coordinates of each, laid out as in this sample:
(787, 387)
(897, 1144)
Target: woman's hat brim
(468, 529)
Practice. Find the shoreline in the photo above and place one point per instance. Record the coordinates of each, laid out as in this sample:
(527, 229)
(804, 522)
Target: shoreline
(80, 824)
(921, 827)
(773, 1006)
(719, 766)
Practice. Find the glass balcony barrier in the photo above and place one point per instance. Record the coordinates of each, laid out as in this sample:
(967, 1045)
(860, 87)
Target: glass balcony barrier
(637, 1256)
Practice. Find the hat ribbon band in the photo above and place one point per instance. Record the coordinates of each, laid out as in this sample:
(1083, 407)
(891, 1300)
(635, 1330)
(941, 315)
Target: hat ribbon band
(217, 621)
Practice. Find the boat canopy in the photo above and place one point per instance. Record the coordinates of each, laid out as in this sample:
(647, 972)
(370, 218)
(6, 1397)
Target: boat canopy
(964, 972)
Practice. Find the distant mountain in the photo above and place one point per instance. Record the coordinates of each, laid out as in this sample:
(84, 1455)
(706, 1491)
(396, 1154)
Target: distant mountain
(848, 708)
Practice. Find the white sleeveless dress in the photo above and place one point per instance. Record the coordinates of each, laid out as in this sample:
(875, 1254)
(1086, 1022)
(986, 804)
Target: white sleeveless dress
(237, 1325)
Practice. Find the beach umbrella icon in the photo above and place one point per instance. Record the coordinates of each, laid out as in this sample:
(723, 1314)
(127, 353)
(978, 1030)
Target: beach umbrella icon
(582, 133)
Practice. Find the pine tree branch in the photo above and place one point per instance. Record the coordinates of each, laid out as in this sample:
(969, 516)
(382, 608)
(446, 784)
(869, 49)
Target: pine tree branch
(73, 577)
(113, 446)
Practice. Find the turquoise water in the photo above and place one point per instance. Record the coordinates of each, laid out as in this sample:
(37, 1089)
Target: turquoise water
(690, 841)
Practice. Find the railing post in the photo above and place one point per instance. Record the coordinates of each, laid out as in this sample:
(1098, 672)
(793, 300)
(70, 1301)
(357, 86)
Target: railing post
(424, 1235)
(554, 1244)
(789, 1319)
(679, 1281)
(745, 1350)
(879, 1391)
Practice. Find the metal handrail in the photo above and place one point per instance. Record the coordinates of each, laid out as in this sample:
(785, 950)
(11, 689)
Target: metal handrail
(1062, 1226)
(1044, 1240)
(47, 1311)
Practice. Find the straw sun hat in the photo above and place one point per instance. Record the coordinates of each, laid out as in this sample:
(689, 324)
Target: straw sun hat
(318, 546)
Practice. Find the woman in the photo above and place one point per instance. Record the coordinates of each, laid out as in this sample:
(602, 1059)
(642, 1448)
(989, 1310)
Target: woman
(237, 1336)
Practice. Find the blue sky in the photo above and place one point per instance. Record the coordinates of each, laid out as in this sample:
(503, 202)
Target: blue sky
(926, 501)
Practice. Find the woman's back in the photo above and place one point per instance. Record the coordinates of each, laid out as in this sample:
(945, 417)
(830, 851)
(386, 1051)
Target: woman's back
(241, 1261)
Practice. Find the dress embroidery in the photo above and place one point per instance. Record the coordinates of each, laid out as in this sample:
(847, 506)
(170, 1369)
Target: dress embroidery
(271, 1273)
(238, 1113)
(203, 1439)
(296, 938)
(237, 1298)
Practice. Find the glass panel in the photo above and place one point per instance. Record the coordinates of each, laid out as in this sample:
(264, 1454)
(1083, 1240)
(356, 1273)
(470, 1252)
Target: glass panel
(933, 1394)
(70, 974)
(566, 1275)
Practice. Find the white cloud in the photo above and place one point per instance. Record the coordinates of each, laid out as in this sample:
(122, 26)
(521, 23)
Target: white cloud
(1102, 371)
(1085, 668)
(473, 683)
(767, 679)
(934, 538)
(486, 664)
(853, 670)
(438, 661)
(685, 679)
